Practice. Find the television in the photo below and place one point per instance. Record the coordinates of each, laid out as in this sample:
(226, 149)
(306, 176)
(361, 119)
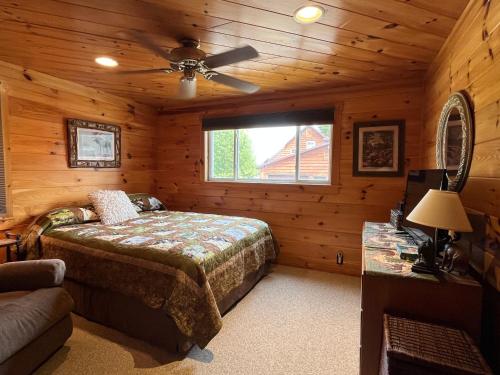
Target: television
(418, 184)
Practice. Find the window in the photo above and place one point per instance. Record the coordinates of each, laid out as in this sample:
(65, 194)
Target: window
(280, 154)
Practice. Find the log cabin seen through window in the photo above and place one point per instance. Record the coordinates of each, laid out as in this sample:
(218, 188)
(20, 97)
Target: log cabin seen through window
(310, 144)
(274, 154)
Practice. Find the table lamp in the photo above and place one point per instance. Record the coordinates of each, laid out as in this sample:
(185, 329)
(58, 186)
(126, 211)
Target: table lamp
(439, 209)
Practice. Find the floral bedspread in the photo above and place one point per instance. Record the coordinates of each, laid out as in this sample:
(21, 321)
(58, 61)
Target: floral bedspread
(181, 262)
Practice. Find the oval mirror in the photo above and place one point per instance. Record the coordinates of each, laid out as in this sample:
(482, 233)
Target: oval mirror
(455, 140)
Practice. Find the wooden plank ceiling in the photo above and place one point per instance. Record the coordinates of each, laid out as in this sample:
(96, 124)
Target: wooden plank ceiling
(357, 41)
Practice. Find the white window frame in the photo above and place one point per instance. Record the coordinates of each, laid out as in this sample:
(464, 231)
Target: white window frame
(209, 157)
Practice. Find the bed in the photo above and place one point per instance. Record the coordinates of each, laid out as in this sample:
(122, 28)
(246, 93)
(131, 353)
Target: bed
(166, 277)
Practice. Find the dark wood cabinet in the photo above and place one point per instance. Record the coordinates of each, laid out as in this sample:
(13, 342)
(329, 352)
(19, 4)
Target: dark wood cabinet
(389, 286)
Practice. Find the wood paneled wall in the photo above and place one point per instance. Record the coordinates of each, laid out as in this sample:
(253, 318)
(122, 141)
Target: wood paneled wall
(470, 61)
(35, 107)
(311, 223)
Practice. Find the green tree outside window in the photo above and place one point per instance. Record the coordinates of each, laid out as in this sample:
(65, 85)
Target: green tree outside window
(223, 155)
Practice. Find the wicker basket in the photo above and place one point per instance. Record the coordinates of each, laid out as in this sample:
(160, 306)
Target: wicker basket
(411, 347)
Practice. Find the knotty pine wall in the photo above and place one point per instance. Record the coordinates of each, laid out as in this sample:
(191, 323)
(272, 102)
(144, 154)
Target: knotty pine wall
(35, 107)
(311, 223)
(470, 61)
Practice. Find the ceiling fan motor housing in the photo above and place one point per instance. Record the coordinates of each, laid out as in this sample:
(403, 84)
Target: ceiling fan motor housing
(189, 54)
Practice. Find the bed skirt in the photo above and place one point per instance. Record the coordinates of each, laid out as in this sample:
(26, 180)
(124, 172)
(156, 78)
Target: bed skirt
(131, 316)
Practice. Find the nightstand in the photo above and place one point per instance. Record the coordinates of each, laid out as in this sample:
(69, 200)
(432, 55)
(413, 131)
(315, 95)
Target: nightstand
(11, 240)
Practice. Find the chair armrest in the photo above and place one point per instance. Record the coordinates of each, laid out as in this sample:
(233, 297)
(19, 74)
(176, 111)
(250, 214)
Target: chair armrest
(31, 274)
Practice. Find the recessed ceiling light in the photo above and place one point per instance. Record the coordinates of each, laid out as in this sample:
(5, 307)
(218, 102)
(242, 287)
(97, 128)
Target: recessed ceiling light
(308, 13)
(106, 61)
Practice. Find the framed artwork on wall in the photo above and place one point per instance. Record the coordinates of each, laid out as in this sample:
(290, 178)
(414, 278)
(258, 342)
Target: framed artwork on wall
(93, 145)
(378, 148)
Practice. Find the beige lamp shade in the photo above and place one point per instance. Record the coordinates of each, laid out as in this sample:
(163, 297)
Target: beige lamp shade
(441, 209)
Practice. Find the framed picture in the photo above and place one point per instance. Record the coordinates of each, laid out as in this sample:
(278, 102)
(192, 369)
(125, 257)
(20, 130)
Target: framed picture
(93, 145)
(378, 148)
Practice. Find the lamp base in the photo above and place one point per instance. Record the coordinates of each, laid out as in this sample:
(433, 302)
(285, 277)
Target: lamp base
(426, 262)
(423, 267)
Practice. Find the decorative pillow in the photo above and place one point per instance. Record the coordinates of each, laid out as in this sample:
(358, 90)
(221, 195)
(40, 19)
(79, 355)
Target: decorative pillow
(30, 243)
(112, 206)
(146, 202)
(70, 215)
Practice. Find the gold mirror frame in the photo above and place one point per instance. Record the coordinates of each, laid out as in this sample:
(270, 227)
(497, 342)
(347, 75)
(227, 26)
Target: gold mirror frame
(460, 102)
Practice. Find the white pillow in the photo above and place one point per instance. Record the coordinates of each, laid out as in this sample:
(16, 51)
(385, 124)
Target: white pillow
(112, 206)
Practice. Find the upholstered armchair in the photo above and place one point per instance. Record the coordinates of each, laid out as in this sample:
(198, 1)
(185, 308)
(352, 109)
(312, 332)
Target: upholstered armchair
(35, 317)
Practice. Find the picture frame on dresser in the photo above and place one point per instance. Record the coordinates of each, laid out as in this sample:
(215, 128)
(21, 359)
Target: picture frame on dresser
(378, 148)
(93, 144)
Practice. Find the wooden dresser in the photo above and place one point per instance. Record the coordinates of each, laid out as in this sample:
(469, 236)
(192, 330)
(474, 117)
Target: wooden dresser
(389, 285)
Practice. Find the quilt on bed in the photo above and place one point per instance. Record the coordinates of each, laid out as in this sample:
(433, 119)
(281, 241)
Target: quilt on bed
(181, 262)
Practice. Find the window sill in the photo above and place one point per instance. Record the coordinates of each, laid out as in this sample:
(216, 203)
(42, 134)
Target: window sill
(262, 183)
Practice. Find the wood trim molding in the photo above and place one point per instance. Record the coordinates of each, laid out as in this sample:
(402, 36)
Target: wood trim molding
(6, 147)
(336, 143)
(204, 157)
(212, 107)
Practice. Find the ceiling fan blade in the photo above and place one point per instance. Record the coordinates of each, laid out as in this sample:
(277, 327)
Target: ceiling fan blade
(236, 83)
(146, 71)
(231, 57)
(145, 41)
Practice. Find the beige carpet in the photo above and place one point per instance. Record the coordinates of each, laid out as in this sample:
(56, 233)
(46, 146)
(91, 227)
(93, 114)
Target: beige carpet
(294, 321)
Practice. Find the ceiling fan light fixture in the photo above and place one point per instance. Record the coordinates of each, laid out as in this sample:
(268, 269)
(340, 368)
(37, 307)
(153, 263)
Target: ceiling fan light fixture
(308, 13)
(106, 61)
(187, 88)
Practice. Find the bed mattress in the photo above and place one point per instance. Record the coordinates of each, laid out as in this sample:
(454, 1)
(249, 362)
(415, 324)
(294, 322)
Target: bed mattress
(181, 262)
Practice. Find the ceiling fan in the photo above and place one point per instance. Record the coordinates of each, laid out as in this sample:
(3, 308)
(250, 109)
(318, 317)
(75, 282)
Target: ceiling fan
(190, 60)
